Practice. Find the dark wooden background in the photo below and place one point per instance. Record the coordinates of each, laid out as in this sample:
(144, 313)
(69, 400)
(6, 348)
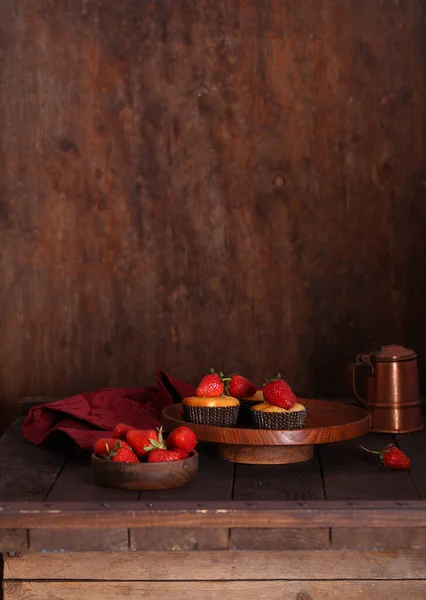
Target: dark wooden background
(186, 184)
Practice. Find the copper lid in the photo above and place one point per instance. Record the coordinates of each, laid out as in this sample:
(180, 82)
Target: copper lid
(394, 353)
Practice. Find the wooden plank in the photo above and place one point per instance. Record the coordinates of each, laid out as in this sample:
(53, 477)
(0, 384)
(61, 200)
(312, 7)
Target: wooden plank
(350, 473)
(70, 540)
(177, 539)
(216, 590)
(369, 538)
(294, 538)
(27, 472)
(213, 482)
(206, 515)
(414, 446)
(74, 483)
(160, 139)
(13, 540)
(279, 482)
(211, 566)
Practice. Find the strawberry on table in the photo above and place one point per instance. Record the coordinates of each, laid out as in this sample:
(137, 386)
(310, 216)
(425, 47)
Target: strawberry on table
(156, 456)
(182, 438)
(240, 387)
(211, 385)
(104, 447)
(121, 431)
(277, 391)
(124, 455)
(143, 440)
(392, 458)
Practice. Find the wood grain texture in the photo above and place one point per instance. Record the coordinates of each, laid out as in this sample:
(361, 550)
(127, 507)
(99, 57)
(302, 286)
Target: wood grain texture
(152, 150)
(13, 540)
(310, 514)
(327, 421)
(19, 479)
(353, 474)
(414, 446)
(215, 590)
(144, 476)
(213, 566)
(71, 540)
(301, 482)
(370, 538)
(177, 539)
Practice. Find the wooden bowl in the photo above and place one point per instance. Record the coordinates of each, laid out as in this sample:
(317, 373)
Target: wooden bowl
(144, 476)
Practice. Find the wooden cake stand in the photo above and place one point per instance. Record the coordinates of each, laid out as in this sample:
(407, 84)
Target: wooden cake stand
(327, 421)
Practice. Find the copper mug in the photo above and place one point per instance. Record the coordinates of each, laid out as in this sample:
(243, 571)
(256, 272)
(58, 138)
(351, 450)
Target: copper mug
(392, 394)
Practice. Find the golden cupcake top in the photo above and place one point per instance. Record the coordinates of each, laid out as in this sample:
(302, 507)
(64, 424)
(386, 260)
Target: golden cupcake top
(257, 396)
(213, 402)
(271, 408)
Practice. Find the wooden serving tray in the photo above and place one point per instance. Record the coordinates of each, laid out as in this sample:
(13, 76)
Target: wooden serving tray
(327, 421)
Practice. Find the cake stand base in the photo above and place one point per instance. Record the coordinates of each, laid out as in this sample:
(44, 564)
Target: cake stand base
(265, 455)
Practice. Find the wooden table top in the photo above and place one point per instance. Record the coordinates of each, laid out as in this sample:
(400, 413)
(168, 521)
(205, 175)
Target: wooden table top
(342, 487)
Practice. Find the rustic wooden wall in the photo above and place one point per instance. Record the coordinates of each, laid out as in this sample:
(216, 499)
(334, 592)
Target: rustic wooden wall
(188, 183)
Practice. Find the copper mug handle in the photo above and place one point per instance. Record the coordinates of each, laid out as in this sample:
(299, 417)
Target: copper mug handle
(362, 360)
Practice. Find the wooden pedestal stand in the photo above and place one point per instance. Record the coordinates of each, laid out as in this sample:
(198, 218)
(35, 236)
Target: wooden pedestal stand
(327, 421)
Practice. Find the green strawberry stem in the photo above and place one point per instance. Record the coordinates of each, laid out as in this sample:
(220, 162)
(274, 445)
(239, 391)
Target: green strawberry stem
(271, 380)
(380, 453)
(370, 451)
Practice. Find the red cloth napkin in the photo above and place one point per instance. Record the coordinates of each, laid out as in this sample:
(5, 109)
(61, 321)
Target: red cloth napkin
(87, 417)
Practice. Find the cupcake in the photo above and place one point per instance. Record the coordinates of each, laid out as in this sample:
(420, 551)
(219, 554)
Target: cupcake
(219, 411)
(270, 416)
(246, 404)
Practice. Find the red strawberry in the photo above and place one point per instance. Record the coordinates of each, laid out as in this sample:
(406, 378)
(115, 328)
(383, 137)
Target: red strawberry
(156, 456)
(278, 392)
(211, 385)
(124, 455)
(392, 458)
(240, 387)
(121, 431)
(183, 438)
(143, 440)
(105, 446)
(182, 453)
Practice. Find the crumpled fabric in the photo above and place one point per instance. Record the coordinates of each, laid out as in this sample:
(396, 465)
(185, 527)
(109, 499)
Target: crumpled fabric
(86, 417)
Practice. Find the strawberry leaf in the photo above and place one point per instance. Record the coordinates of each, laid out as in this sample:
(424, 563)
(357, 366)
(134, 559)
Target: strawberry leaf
(157, 444)
(160, 436)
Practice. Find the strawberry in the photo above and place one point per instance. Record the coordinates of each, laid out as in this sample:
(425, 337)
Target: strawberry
(240, 387)
(121, 431)
(143, 440)
(156, 456)
(392, 458)
(104, 447)
(277, 391)
(211, 385)
(182, 453)
(124, 455)
(182, 438)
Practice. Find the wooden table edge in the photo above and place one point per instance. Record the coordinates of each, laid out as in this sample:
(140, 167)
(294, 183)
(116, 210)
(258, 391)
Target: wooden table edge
(27, 515)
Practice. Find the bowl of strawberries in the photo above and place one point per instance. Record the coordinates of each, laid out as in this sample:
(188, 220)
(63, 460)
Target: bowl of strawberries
(139, 459)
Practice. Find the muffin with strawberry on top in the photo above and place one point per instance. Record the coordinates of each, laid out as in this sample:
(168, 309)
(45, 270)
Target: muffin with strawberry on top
(210, 406)
(246, 392)
(281, 409)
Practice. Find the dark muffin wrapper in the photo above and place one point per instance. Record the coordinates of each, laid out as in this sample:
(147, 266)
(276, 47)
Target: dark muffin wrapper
(289, 420)
(217, 416)
(244, 416)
